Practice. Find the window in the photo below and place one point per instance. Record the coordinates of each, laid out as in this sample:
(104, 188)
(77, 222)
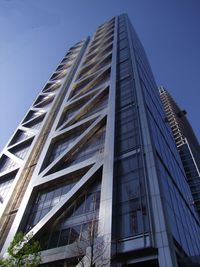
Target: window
(79, 206)
(126, 167)
(35, 124)
(54, 239)
(90, 203)
(123, 43)
(72, 110)
(127, 137)
(64, 237)
(131, 203)
(78, 221)
(133, 220)
(46, 200)
(122, 28)
(125, 92)
(6, 163)
(87, 229)
(123, 54)
(74, 234)
(19, 136)
(5, 185)
(93, 146)
(21, 151)
(97, 107)
(130, 190)
(122, 35)
(61, 145)
(124, 68)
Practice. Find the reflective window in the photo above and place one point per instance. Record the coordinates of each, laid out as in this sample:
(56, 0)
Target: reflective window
(124, 55)
(19, 136)
(60, 146)
(122, 35)
(129, 187)
(72, 110)
(35, 124)
(46, 200)
(123, 43)
(127, 136)
(133, 220)
(31, 115)
(93, 146)
(45, 105)
(5, 184)
(130, 190)
(63, 144)
(125, 92)
(122, 28)
(131, 203)
(77, 223)
(124, 69)
(74, 233)
(100, 105)
(64, 237)
(6, 164)
(21, 151)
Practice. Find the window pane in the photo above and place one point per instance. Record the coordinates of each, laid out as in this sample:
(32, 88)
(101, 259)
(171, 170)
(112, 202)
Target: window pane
(54, 239)
(80, 204)
(74, 234)
(90, 203)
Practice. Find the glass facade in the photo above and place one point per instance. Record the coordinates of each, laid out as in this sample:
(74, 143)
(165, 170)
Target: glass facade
(78, 222)
(129, 188)
(59, 146)
(100, 105)
(19, 136)
(21, 151)
(7, 164)
(99, 83)
(131, 206)
(47, 199)
(4, 188)
(5, 184)
(175, 190)
(72, 109)
(35, 123)
(93, 147)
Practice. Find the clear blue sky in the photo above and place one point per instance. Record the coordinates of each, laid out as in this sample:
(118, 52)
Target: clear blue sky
(35, 34)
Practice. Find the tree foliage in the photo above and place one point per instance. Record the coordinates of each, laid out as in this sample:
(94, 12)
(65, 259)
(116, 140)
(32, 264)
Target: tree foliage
(23, 251)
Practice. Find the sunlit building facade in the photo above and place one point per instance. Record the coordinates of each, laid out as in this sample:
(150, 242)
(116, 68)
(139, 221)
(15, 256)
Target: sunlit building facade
(92, 171)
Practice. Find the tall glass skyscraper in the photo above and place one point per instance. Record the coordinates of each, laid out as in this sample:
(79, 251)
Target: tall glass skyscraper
(93, 171)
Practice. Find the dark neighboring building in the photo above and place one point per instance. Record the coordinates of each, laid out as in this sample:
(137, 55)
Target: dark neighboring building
(187, 143)
(93, 171)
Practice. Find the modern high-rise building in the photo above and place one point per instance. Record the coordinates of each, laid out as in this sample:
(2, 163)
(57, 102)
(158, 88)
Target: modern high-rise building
(93, 171)
(186, 141)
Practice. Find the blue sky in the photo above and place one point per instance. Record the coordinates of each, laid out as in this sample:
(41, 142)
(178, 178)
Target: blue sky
(35, 35)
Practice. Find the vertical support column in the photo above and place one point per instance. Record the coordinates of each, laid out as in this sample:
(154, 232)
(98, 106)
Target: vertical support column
(166, 253)
(106, 203)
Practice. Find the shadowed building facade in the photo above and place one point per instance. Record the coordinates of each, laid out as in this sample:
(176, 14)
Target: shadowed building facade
(93, 171)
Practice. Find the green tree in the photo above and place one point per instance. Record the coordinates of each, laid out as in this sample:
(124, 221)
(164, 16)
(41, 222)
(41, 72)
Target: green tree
(23, 251)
